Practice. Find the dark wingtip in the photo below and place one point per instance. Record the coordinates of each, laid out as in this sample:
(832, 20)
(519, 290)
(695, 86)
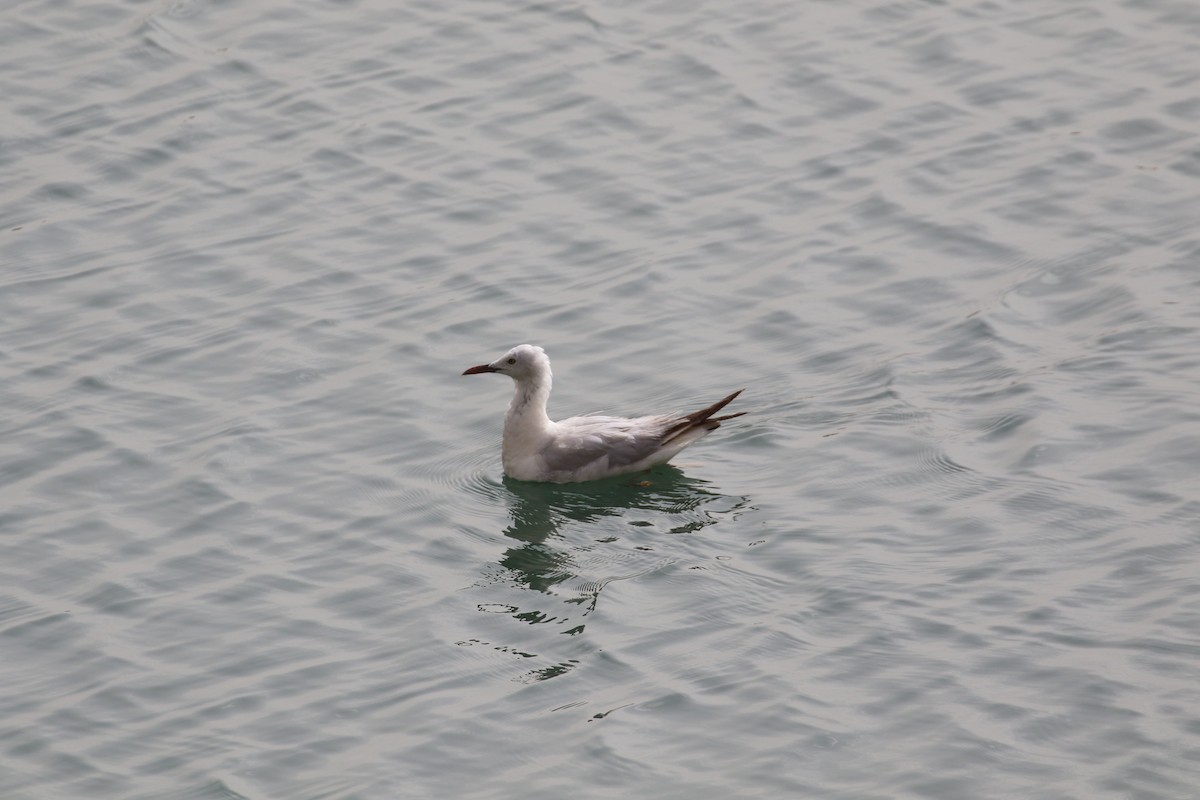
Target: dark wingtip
(703, 417)
(705, 413)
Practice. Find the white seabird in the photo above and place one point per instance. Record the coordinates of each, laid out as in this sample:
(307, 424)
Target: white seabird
(584, 448)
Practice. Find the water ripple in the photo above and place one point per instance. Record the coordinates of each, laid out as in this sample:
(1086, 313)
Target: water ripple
(255, 528)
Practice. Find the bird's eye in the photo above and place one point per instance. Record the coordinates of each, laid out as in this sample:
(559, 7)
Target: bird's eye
(512, 361)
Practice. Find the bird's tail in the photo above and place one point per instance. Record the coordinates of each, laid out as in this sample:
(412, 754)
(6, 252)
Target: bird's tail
(702, 419)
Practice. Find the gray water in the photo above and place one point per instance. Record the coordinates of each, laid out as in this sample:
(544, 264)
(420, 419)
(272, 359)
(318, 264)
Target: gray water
(254, 537)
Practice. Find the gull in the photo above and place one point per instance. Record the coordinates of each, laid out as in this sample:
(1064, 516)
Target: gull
(584, 448)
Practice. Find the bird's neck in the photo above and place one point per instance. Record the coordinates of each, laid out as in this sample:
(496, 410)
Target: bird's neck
(527, 411)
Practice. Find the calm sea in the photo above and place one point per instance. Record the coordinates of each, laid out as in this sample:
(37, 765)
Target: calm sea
(255, 541)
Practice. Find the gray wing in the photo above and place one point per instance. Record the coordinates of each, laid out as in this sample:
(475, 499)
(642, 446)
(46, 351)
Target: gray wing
(582, 440)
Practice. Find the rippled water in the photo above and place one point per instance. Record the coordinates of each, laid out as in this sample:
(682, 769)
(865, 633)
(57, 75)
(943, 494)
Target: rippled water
(254, 537)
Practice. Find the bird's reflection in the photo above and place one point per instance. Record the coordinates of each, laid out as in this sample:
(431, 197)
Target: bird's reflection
(545, 549)
(539, 510)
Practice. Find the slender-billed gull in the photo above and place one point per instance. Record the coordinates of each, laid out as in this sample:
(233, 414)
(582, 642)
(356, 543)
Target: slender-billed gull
(584, 448)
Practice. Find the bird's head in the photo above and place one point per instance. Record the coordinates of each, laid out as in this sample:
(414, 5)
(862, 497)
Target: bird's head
(523, 361)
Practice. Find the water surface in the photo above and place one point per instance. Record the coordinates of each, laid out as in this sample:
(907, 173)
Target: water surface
(254, 537)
